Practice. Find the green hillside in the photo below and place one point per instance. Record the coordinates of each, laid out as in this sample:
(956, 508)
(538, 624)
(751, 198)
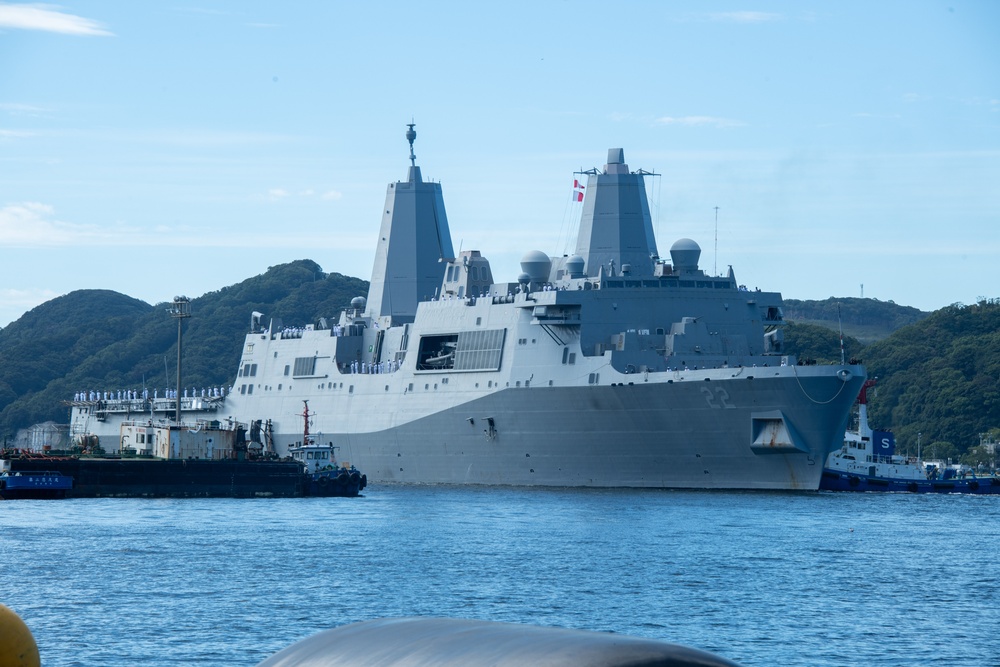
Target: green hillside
(102, 340)
(868, 320)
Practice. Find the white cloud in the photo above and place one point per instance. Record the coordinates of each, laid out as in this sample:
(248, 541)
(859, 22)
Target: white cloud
(744, 17)
(34, 225)
(865, 114)
(48, 19)
(693, 121)
(13, 134)
(278, 194)
(15, 109)
(31, 224)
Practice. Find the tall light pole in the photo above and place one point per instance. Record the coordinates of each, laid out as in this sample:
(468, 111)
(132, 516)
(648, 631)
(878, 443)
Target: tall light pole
(180, 311)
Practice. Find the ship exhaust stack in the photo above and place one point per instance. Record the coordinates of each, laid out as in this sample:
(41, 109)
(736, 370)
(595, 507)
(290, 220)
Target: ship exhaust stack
(413, 247)
(616, 230)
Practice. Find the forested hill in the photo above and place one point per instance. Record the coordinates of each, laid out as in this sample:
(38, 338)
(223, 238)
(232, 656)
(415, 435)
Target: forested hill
(103, 340)
(868, 320)
(939, 377)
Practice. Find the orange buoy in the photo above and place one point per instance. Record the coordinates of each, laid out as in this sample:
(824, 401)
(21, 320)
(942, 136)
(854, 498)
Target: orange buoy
(17, 645)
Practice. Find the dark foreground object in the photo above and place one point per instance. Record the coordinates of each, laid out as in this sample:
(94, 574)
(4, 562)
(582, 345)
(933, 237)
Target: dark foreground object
(449, 642)
(190, 478)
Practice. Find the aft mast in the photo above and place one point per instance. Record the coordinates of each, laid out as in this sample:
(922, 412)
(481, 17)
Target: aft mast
(616, 230)
(413, 248)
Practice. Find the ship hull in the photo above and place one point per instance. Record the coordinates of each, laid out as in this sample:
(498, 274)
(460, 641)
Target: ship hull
(155, 478)
(696, 432)
(835, 480)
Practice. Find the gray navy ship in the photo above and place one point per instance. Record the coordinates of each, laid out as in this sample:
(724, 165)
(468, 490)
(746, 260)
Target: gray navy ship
(610, 367)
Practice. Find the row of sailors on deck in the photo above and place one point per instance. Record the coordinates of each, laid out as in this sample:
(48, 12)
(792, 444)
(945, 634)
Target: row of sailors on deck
(486, 295)
(390, 366)
(134, 395)
(296, 332)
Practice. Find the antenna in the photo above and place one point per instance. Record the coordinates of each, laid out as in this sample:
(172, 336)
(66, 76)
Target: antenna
(715, 269)
(411, 134)
(841, 327)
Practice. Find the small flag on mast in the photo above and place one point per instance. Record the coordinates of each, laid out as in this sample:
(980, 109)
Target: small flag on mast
(577, 190)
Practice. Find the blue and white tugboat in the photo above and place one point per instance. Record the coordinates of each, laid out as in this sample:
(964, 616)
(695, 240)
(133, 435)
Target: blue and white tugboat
(43, 484)
(868, 462)
(324, 476)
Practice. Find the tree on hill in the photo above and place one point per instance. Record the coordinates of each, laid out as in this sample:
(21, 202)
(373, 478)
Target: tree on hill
(810, 342)
(868, 320)
(940, 378)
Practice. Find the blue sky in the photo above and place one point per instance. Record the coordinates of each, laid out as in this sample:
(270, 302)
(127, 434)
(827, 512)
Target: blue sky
(158, 149)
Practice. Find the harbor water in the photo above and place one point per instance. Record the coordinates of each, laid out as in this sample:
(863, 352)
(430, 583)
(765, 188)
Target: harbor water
(759, 578)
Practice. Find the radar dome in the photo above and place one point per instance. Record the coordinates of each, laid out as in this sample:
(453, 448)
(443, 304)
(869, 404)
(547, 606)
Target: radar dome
(358, 303)
(536, 264)
(684, 254)
(574, 266)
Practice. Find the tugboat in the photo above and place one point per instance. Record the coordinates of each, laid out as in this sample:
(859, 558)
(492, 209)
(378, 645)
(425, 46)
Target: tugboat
(868, 462)
(324, 476)
(43, 484)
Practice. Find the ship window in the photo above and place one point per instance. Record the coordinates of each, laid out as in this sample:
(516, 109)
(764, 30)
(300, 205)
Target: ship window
(287, 368)
(572, 358)
(517, 384)
(387, 387)
(350, 389)
(250, 389)
(479, 321)
(243, 389)
(253, 370)
(304, 366)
